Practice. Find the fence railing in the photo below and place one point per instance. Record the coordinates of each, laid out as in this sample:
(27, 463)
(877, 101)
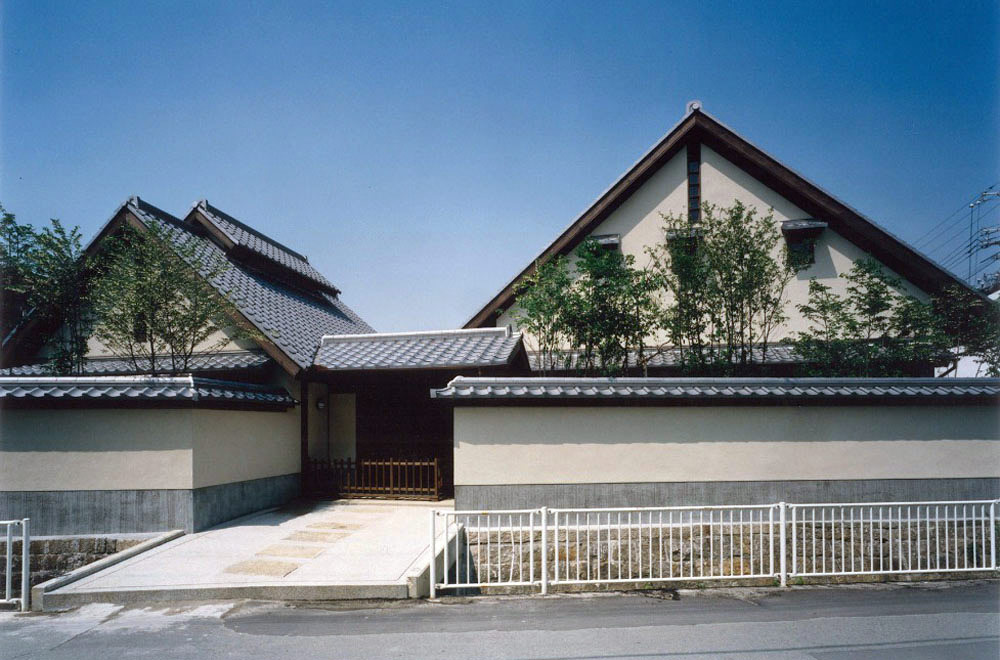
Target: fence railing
(892, 537)
(9, 525)
(397, 478)
(543, 547)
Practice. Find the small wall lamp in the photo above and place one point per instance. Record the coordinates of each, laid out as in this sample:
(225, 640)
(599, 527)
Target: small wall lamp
(320, 404)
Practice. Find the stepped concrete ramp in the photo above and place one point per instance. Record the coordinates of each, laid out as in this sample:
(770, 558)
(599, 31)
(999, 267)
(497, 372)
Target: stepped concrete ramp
(344, 549)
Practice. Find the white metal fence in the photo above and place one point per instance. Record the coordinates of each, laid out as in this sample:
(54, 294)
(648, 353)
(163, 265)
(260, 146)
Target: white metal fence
(542, 547)
(9, 525)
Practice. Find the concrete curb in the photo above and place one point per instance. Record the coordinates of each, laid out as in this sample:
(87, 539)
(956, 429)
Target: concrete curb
(277, 592)
(418, 582)
(38, 592)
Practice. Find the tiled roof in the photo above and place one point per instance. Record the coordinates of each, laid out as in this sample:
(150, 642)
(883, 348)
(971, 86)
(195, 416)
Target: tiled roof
(143, 388)
(292, 319)
(419, 350)
(264, 246)
(670, 357)
(231, 361)
(728, 389)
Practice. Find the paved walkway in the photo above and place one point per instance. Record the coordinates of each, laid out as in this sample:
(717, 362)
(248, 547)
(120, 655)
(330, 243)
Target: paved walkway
(339, 549)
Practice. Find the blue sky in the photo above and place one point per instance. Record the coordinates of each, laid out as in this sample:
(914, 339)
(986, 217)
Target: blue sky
(422, 153)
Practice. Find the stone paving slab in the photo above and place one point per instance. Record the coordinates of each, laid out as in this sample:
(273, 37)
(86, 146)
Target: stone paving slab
(326, 549)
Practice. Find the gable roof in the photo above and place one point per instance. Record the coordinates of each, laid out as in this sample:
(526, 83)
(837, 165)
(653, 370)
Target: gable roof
(698, 127)
(291, 313)
(481, 347)
(291, 320)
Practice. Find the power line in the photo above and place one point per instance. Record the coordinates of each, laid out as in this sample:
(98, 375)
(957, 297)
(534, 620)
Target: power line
(933, 230)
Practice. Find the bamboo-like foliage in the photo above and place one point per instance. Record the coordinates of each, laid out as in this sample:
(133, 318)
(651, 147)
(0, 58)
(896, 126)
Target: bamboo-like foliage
(725, 277)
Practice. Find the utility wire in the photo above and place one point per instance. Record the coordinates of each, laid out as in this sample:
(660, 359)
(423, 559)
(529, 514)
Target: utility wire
(965, 248)
(927, 235)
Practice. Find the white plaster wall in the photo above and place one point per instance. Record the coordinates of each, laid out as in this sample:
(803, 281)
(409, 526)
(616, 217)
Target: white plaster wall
(558, 445)
(219, 341)
(238, 445)
(93, 449)
(723, 183)
(638, 220)
(640, 225)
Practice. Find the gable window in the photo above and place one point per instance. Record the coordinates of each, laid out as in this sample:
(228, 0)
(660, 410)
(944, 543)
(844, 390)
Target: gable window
(609, 242)
(694, 181)
(800, 237)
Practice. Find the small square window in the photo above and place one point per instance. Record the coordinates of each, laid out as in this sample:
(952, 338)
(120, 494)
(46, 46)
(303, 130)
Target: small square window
(802, 254)
(693, 178)
(693, 167)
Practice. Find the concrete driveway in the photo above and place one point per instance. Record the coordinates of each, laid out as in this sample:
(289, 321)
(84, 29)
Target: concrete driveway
(321, 550)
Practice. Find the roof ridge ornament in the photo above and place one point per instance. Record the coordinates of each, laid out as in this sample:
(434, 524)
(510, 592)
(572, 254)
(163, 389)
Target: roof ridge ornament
(694, 105)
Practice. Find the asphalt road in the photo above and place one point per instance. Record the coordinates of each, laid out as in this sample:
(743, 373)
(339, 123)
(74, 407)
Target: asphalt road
(942, 620)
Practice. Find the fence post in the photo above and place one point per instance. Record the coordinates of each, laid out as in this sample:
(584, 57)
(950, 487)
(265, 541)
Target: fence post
(784, 567)
(993, 534)
(433, 575)
(545, 550)
(25, 566)
(9, 565)
(795, 550)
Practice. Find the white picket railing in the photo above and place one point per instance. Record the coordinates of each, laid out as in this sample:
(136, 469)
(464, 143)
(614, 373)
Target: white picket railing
(25, 600)
(542, 547)
(893, 537)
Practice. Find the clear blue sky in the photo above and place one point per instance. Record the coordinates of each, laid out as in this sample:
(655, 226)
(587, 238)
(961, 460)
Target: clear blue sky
(422, 153)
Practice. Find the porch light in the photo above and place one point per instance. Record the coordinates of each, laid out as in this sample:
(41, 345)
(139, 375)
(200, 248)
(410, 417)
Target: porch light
(320, 404)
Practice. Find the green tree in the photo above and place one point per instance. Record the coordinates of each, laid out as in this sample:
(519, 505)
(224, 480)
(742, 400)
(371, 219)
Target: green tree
(972, 322)
(43, 276)
(727, 275)
(16, 244)
(154, 304)
(874, 330)
(541, 301)
(57, 291)
(609, 311)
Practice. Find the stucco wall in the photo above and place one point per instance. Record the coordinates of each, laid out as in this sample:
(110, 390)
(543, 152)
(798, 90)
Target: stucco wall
(561, 445)
(239, 445)
(136, 449)
(723, 183)
(640, 224)
(93, 449)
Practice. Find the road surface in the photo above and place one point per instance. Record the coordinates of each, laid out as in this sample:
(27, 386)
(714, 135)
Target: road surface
(942, 620)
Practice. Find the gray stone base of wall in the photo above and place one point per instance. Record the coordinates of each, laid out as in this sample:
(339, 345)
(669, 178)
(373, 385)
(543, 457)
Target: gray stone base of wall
(532, 496)
(55, 512)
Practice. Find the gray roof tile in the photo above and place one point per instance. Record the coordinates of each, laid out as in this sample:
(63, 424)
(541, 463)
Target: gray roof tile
(253, 240)
(294, 320)
(465, 388)
(230, 361)
(416, 350)
(142, 388)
